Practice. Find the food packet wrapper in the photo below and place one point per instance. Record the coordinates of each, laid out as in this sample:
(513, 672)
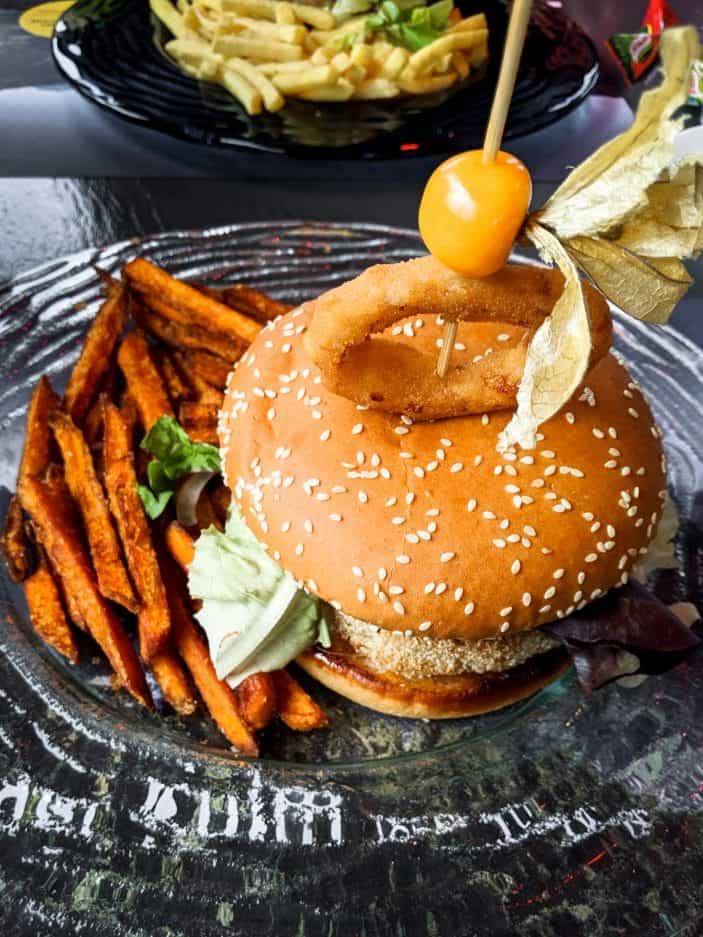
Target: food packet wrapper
(637, 52)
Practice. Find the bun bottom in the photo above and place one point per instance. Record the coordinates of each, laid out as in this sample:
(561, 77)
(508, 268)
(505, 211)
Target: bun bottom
(431, 698)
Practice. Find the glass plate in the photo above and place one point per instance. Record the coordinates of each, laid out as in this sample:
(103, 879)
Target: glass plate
(113, 52)
(527, 821)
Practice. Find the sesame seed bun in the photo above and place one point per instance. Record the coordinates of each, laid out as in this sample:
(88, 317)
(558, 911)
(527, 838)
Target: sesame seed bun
(431, 697)
(424, 527)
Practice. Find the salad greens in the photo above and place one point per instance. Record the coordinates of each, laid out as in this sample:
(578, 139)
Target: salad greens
(256, 617)
(175, 456)
(409, 23)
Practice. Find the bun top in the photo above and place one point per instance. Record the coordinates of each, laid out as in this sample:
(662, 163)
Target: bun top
(425, 526)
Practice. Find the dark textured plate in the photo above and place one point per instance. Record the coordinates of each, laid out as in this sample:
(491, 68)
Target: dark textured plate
(530, 821)
(112, 51)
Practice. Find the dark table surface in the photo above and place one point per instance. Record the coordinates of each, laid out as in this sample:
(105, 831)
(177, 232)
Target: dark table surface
(72, 177)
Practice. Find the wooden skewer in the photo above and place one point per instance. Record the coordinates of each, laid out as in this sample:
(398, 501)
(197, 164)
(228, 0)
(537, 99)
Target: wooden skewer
(515, 40)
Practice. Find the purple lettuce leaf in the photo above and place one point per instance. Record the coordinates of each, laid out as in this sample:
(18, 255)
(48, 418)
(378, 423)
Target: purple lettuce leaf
(627, 631)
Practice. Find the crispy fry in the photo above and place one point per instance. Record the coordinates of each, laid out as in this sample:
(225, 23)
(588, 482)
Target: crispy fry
(208, 367)
(93, 365)
(129, 414)
(93, 422)
(257, 700)
(188, 305)
(121, 483)
(37, 440)
(46, 610)
(175, 684)
(71, 563)
(180, 544)
(199, 420)
(88, 493)
(176, 384)
(206, 392)
(253, 302)
(298, 710)
(143, 379)
(220, 700)
(183, 336)
(15, 543)
(66, 510)
(221, 498)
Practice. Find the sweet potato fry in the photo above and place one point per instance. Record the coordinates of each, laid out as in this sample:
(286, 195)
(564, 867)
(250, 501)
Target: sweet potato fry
(219, 698)
(88, 494)
(204, 391)
(180, 545)
(37, 441)
(221, 498)
(15, 543)
(130, 416)
(176, 385)
(66, 510)
(121, 483)
(46, 610)
(199, 420)
(149, 317)
(94, 363)
(92, 423)
(253, 302)
(188, 305)
(143, 380)
(208, 367)
(71, 563)
(257, 700)
(296, 708)
(175, 683)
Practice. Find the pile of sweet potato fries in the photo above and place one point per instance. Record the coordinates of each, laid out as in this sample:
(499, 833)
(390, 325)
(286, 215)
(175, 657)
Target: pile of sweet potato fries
(76, 534)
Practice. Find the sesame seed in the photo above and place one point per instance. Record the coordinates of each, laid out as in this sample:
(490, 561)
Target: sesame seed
(612, 432)
(526, 599)
(335, 517)
(478, 459)
(548, 453)
(440, 588)
(429, 588)
(382, 573)
(488, 515)
(432, 527)
(537, 483)
(512, 489)
(550, 470)
(431, 466)
(409, 497)
(510, 470)
(504, 612)
(570, 418)
(419, 471)
(550, 593)
(485, 419)
(457, 467)
(458, 594)
(433, 512)
(391, 501)
(307, 525)
(471, 504)
(398, 520)
(446, 557)
(558, 573)
(610, 530)
(469, 608)
(596, 593)
(527, 460)
(299, 549)
(322, 496)
(357, 428)
(401, 430)
(424, 535)
(504, 626)
(633, 412)
(403, 559)
(598, 433)
(516, 567)
(504, 524)
(499, 543)
(581, 578)
(544, 609)
(285, 527)
(530, 530)
(424, 626)
(591, 557)
(316, 415)
(399, 608)
(625, 470)
(513, 538)
(517, 501)
(361, 594)
(498, 470)
(363, 497)
(396, 590)
(358, 571)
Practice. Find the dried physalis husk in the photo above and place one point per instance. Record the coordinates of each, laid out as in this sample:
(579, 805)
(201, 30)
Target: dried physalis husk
(627, 220)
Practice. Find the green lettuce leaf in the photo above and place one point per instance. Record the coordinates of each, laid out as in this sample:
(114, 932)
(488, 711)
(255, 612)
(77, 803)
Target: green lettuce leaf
(410, 24)
(255, 616)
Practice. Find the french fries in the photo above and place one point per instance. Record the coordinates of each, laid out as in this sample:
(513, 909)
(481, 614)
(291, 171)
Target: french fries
(15, 543)
(297, 709)
(76, 534)
(71, 563)
(220, 700)
(143, 380)
(257, 700)
(199, 420)
(37, 441)
(46, 610)
(179, 544)
(87, 492)
(264, 51)
(148, 317)
(174, 682)
(187, 305)
(121, 482)
(95, 359)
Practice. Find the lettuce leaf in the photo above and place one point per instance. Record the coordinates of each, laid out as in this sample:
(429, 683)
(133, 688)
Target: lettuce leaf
(628, 631)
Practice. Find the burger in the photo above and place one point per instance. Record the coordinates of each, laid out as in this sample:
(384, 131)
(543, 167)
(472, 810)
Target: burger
(409, 565)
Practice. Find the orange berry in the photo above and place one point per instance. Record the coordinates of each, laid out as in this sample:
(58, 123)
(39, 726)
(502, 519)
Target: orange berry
(471, 211)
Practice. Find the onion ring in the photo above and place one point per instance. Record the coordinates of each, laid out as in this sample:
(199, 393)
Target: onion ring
(355, 362)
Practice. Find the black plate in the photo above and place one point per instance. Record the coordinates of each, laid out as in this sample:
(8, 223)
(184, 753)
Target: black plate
(560, 817)
(112, 51)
